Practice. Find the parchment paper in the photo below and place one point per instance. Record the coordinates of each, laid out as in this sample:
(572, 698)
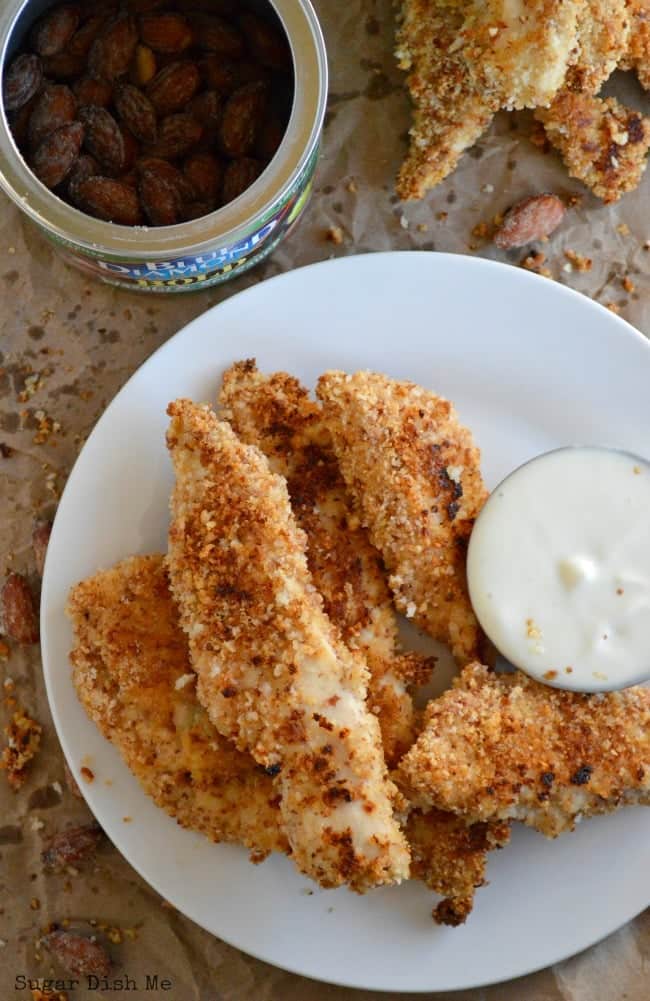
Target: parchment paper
(84, 340)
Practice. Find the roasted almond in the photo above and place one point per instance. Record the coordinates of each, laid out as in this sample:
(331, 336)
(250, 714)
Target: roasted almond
(205, 174)
(173, 87)
(266, 43)
(103, 138)
(84, 167)
(530, 220)
(56, 155)
(172, 175)
(83, 38)
(160, 200)
(167, 32)
(65, 65)
(110, 200)
(238, 176)
(217, 35)
(53, 31)
(22, 81)
(242, 118)
(18, 608)
(55, 106)
(19, 122)
(111, 53)
(131, 151)
(177, 135)
(73, 845)
(89, 90)
(76, 954)
(137, 112)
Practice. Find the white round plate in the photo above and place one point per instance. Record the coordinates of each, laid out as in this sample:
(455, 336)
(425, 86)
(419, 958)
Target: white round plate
(531, 366)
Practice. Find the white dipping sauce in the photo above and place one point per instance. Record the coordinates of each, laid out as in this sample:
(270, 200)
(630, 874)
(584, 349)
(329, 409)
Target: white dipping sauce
(558, 569)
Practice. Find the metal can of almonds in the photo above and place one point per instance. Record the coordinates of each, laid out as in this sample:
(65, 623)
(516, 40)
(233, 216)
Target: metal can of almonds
(206, 251)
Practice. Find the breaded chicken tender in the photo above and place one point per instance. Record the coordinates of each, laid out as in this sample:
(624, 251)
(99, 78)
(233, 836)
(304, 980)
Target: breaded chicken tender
(505, 747)
(414, 473)
(132, 673)
(603, 35)
(451, 858)
(450, 107)
(603, 143)
(465, 59)
(276, 414)
(637, 56)
(273, 672)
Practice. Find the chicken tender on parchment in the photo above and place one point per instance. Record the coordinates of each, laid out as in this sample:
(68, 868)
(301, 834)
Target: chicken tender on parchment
(275, 413)
(451, 856)
(603, 143)
(273, 672)
(637, 56)
(505, 747)
(465, 59)
(414, 473)
(450, 107)
(603, 35)
(133, 676)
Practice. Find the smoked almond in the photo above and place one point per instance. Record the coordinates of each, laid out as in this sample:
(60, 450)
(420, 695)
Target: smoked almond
(57, 153)
(242, 118)
(238, 176)
(173, 87)
(112, 51)
(137, 112)
(110, 200)
(529, 220)
(160, 200)
(103, 138)
(167, 32)
(177, 135)
(53, 31)
(19, 616)
(55, 106)
(22, 81)
(89, 90)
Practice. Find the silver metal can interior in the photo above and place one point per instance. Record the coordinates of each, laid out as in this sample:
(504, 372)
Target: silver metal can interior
(205, 251)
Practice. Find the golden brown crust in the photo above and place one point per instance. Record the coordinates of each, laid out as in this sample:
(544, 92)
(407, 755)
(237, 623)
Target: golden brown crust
(602, 39)
(466, 59)
(637, 56)
(132, 673)
(275, 413)
(450, 109)
(273, 672)
(501, 746)
(414, 473)
(23, 742)
(603, 143)
(451, 858)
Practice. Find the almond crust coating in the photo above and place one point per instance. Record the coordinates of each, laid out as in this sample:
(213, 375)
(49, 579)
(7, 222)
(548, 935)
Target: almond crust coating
(276, 414)
(465, 59)
(603, 143)
(132, 673)
(637, 56)
(451, 858)
(414, 473)
(273, 672)
(505, 747)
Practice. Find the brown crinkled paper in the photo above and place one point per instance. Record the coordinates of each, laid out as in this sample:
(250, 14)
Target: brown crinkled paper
(82, 341)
